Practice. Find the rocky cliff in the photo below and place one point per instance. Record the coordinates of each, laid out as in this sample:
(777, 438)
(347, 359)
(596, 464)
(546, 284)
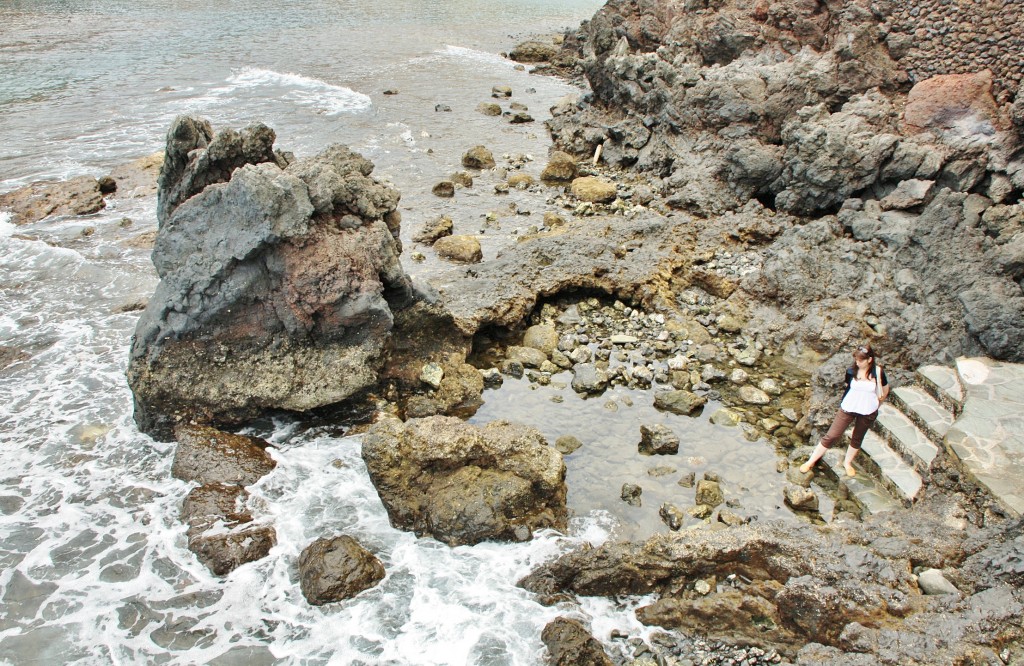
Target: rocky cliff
(277, 280)
(804, 141)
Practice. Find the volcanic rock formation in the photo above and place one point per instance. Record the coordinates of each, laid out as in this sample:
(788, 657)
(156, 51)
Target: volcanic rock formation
(278, 279)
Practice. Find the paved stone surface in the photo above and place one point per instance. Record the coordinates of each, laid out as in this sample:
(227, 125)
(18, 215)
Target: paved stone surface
(988, 437)
(924, 410)
(944, 384)
(916, 446)
(863, 488)
(895, 473)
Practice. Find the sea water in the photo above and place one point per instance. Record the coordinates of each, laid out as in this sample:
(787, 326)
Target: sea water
(94, 567)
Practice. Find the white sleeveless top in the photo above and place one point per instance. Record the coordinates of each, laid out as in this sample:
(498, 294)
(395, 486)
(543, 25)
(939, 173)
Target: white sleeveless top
(861, 398)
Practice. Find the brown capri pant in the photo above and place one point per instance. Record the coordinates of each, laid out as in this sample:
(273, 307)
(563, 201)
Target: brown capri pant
(842, 421)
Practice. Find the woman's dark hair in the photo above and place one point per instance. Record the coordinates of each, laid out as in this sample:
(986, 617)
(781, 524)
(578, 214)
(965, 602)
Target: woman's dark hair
(859, 354)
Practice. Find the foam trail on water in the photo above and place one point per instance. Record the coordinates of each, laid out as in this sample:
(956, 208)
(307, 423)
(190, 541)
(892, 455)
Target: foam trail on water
(303, 90)
(463, 53)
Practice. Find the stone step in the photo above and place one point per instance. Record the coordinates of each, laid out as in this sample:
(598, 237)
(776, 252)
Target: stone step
(878, 459)
(944, 385)
(924, 411)
(867, 491)
(905, 439)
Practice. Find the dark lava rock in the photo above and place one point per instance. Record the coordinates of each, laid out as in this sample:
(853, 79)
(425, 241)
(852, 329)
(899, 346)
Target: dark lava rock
(207, 455)
(463, 484)
(220, 532)
(569, 643)
(337, 569)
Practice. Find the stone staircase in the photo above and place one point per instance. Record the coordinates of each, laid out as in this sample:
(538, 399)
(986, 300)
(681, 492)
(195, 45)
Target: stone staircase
(908, 437)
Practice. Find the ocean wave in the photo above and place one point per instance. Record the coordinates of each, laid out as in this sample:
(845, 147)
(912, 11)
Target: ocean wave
(463, 53)
(324, 97)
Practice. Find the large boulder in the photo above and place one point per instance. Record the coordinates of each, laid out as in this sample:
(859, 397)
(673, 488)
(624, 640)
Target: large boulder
(337, 569)
(277, 283)
(463, 484)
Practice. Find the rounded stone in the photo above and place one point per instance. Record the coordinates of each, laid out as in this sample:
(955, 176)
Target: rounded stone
(459, 249)
(336, 569)
(478, 157)
(561, 168)
(594, 190)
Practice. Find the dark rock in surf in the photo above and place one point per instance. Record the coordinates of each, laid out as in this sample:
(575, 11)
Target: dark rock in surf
(206, 455)
(337, 569)
(569, 643)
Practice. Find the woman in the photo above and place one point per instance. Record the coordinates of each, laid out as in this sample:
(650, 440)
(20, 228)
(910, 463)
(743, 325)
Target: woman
(859, 406)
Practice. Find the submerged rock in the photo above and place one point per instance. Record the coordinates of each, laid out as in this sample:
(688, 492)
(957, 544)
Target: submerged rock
(658, 440)
(462, 484)
(277, 283)
(337, 569)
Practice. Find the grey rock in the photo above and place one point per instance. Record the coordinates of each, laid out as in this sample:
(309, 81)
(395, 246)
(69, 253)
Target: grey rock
(478, 157)
(932, 581)
(569, 643)
(800, 498)
(459, 249)
(336, 569)
(530, 357)
(256, 308)
(725, 417)
(672, 516)
(754, 396)
(587, 378)
(566, 444)
(908, 194)
(543, 337)
(432, 374)
(630, 494)
(434, 229)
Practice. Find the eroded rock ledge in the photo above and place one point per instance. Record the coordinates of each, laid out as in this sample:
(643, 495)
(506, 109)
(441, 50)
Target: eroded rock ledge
(279, 278)
(815, 593)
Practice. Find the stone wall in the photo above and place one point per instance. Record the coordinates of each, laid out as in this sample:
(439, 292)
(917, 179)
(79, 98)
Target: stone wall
(931, 37)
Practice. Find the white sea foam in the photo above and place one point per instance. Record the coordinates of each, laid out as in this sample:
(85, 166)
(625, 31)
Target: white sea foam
(319, 95)
(6, 225)
(463, 53)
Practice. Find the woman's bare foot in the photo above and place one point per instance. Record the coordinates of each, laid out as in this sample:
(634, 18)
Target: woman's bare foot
(850, 471)
(806, 467)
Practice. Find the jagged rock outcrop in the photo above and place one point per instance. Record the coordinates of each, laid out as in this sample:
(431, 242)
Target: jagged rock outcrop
(463, 484)
(800, 588)
(776, 126)
(277, 280)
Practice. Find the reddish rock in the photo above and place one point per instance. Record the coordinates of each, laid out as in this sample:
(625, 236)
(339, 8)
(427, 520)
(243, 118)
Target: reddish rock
(959, 102)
